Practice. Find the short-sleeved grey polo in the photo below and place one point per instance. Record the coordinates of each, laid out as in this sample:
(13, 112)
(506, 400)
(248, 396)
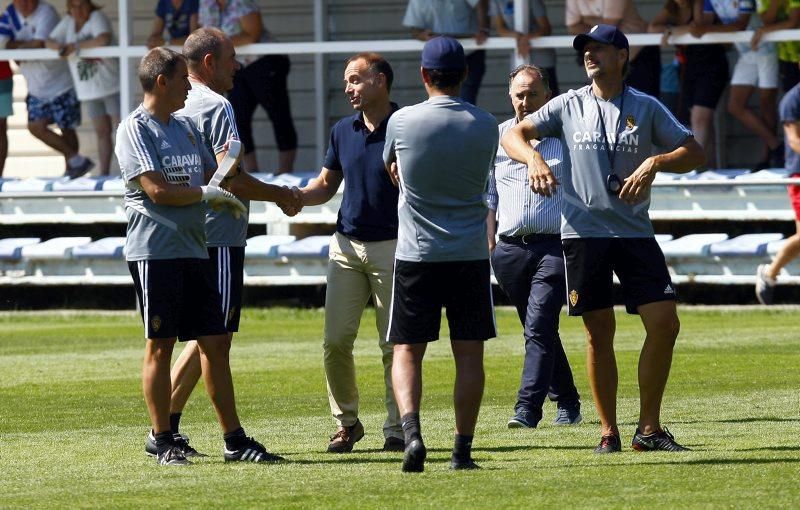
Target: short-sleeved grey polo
(646, 127)
(444, 17)
(213, 116)
(444, 148)
(144, 144)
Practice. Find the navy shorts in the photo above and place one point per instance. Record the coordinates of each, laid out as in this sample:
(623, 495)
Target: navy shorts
(638, 262)
(226, 267)
(177, 298)
(420, 291)
(64, 110)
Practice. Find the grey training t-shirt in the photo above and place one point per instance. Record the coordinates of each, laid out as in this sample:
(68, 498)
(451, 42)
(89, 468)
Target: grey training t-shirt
(444, 148)
(175, 149)
(647, 127)
(212, 114)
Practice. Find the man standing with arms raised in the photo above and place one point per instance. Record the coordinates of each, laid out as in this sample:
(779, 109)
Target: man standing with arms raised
(610, 131)
(212, 64)
(528, 262)
(440, 152)
(164, 165)
(361, 259)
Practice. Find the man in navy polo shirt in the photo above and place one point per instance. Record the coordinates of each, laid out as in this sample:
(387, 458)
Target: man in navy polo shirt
(362, 249)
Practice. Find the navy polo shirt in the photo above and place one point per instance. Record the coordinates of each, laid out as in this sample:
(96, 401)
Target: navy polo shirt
(369, 203)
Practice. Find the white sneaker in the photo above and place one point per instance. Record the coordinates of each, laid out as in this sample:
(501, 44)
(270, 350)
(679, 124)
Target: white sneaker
(765, 286)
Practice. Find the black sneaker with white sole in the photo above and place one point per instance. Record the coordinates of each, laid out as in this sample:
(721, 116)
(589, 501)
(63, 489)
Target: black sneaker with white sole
(251, 451)
(181, 442)
(657, 441)
(81, 169)
(172, 456)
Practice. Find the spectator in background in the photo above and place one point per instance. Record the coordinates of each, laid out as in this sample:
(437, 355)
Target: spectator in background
(96, 79)
(6, 109)
(51, 98)
(454, 18)
(782, 15)
(754, 68)
(645, 62)
(262, 80)
(178, 17)
(704, 71)
(502, 14)
(767, 274)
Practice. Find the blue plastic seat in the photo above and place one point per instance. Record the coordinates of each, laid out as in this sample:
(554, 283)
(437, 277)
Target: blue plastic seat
(106, 248)
(309, 247)
(11, 248)
(754, 245)
(266, 246)
(692, 245)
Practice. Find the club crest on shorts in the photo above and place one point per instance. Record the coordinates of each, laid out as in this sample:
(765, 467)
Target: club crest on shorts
(231, 314)
(573, 297)
(155, 323)
(630, 122)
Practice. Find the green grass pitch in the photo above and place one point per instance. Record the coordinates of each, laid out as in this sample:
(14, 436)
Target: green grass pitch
(73, 421)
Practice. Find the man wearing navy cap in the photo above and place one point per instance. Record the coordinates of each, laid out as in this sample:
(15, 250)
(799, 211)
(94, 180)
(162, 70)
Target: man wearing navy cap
(440, 152)
(611, 132)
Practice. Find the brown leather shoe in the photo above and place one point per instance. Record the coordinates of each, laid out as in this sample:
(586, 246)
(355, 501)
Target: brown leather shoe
(346, 437)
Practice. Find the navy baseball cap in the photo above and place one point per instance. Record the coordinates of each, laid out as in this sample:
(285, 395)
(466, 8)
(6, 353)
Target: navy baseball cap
(606, 34)
(443, 53)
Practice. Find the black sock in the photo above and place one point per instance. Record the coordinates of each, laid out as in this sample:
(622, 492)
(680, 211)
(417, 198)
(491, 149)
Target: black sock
(163, 441)
(462, 448)
(174, 422)
(234, 439)
(411, 429)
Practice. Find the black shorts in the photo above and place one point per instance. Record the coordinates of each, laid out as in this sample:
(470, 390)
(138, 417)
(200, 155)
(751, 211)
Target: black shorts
(420, 291)
(226, 267)
(177, 299)
(704, 82)
(638, 263)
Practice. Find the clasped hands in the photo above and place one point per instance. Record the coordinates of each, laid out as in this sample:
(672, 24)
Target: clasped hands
(292, 202)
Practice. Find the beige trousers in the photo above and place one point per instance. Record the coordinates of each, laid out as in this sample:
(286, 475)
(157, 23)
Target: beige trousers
(356, 271)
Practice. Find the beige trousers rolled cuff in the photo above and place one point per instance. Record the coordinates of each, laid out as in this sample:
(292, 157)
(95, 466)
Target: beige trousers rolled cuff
(357, 271)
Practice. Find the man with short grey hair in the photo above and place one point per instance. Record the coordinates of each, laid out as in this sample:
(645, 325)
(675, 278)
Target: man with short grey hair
(165, 167)
(528, 262)
(212, 64)
(440, 152)
(612, 132)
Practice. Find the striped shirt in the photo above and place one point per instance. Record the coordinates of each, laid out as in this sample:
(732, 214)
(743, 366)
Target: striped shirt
(521, 211)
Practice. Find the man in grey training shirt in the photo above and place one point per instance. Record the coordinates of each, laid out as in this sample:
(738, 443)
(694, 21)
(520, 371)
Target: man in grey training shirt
(165, 164)
(528, 262)
(440, 152)
(212, 63)
(610, 131)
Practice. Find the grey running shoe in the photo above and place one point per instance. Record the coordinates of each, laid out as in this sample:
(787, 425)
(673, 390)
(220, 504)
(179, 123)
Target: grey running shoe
(765, 286)
(568, 415)
(609, 444)
(522, 419)
(73, 172)
(394, 444)
(346, 437)
(414, 457)
(172, 456)
(661, 440)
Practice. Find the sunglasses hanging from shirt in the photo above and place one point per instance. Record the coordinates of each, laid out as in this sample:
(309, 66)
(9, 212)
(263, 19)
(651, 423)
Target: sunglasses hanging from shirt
(613, 182)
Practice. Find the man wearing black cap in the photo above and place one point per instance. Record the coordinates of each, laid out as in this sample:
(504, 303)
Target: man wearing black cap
(610, 131)
(440, 153)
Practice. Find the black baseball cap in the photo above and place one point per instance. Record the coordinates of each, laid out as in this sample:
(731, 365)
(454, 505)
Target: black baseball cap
(605, 34)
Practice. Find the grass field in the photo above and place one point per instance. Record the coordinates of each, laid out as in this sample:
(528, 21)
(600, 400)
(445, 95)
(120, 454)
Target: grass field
(73, 421)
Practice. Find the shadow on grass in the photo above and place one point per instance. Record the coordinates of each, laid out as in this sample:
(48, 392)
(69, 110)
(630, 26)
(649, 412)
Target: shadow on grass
(741, 420)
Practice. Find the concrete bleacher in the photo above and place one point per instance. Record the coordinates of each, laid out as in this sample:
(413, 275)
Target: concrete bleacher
(285, 260)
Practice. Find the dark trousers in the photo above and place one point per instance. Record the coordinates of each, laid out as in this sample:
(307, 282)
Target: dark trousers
(532, 275)
(476, 67)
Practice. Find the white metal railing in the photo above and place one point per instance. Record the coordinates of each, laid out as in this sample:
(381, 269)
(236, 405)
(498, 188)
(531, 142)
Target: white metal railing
(320, 48)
